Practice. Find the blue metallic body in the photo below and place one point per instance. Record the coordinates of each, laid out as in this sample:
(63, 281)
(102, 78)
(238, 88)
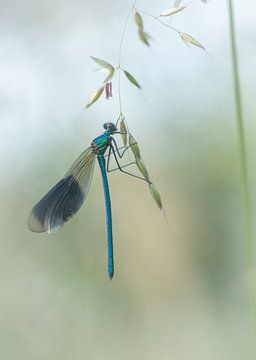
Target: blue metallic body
(102, 164)
(100, 145)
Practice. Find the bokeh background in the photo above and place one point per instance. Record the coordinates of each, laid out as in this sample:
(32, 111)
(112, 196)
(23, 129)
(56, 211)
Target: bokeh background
(176, 295)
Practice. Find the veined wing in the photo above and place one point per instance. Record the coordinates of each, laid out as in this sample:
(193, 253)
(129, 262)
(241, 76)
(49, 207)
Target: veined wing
(65, 198)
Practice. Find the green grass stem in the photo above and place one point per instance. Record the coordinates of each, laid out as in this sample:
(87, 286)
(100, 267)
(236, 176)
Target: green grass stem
(248, 225)
(120, 55)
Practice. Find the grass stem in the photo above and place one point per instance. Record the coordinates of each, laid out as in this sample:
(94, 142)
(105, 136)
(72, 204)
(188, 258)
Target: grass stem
(120, 55)
(244, 170)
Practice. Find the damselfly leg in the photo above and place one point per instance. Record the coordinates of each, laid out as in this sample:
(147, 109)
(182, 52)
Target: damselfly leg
(113, 149)
(108, 156)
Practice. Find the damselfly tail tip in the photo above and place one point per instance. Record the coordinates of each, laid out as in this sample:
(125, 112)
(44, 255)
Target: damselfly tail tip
(110, 275)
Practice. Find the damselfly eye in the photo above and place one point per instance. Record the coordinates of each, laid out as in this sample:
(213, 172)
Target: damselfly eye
(110, 126)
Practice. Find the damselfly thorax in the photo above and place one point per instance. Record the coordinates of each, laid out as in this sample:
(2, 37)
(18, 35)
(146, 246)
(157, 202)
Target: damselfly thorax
(101, 143)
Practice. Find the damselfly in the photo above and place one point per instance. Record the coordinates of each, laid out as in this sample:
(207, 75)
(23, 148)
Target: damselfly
(63, 201)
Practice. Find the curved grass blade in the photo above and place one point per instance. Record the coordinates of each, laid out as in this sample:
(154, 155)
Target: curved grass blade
(172, 11)
(110, 75)
(188, 39)
(132, 79)
(144, 37)
(142, 168)
(156, 196)
(102, 63)
(139, 20)
(124, 132)
(63, 201)
(135, 147)
(95, 96)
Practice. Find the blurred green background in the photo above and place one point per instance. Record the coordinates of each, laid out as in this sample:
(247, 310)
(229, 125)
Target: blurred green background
(174, 296)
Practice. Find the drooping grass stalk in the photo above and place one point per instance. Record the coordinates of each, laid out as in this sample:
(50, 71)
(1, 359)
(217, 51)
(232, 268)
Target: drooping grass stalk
(157, 18)
(244, 170)
(120, 56)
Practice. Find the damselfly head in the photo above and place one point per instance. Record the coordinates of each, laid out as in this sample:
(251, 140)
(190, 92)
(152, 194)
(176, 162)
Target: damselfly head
(110, 126)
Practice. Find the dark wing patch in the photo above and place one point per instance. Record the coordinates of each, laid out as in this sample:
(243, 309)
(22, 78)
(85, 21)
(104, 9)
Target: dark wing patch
(64, 200)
